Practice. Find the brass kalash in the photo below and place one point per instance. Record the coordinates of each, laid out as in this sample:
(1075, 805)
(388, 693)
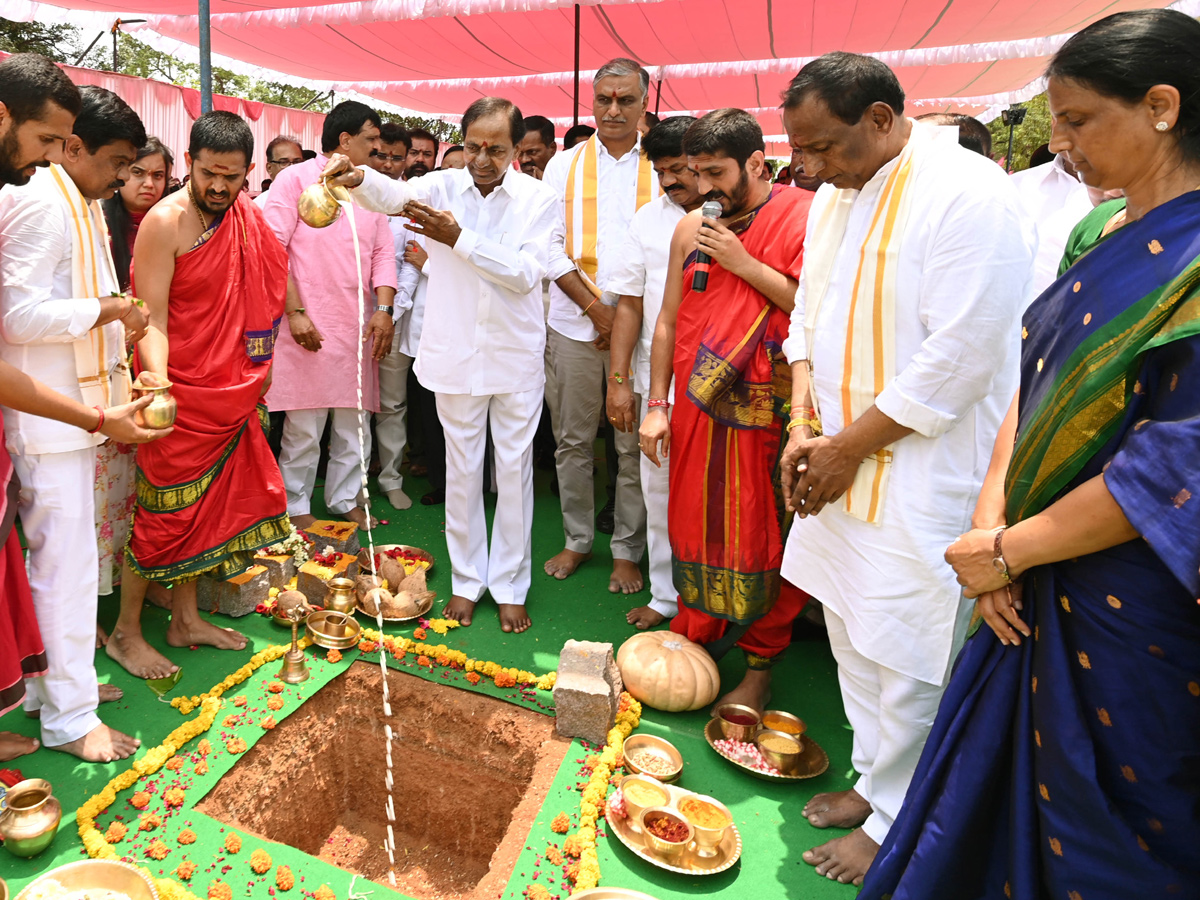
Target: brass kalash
(320, 204)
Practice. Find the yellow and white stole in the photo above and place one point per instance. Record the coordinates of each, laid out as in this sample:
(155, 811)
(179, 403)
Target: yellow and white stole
(89, 239)
(869, 362)
(582, 207)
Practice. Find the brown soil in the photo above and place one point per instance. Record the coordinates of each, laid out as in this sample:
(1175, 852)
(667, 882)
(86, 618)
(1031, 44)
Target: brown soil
(471, 773)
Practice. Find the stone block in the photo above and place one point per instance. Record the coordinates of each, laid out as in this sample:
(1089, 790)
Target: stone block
(341, 536)
(236, 596)
(280, 569)
(312, 578)
(587, 692)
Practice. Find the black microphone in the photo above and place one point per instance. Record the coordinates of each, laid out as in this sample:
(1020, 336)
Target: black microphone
(710, 210)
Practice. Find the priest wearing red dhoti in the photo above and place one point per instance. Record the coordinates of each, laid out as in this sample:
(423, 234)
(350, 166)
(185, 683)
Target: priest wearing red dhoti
(724, 347)
(214, 279)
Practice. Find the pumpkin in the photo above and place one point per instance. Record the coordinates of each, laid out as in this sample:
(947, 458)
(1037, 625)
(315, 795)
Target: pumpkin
(666, 671)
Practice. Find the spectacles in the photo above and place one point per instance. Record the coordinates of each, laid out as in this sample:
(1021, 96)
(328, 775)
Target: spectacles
(384, 157)
(283, 162)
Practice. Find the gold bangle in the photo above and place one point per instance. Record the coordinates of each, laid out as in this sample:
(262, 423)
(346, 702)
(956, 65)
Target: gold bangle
(802, 420)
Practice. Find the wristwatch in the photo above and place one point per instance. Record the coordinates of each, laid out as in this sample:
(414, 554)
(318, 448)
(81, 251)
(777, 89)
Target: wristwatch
(998, 562)
(387, 309)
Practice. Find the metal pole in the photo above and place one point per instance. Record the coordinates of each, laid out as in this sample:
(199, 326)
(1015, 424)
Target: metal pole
(206, 103)
(115, 29)
(657, 95)
(1008, 157)
(576, 109)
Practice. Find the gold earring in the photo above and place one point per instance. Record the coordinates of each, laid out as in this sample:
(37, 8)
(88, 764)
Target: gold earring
(1161, 126)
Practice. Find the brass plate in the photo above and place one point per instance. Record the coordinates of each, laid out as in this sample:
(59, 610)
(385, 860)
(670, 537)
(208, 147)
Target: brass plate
(813, 762)
(423, 608)
(728, 852)
(611, 893)
(408, 550)
(341, 637)
(98, 874)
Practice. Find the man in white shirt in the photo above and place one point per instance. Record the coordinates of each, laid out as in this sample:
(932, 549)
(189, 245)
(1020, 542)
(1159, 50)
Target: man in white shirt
(1054, 200)
(283, 151)
(640, 280)
(909, 324)
(600, 184)
(64, 322)
(487, 227)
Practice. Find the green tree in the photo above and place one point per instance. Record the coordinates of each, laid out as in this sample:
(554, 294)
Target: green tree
(54, 41)
(1027, 136)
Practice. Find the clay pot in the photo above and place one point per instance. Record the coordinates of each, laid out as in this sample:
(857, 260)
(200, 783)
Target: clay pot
(30, 818)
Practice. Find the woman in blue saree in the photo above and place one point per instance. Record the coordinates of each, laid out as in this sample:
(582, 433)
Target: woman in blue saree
(1065, 759)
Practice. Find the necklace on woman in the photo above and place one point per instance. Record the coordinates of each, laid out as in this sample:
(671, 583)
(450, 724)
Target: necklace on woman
(196, 206)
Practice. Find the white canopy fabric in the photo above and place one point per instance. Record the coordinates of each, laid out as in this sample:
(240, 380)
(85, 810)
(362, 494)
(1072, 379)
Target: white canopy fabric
(437, 56)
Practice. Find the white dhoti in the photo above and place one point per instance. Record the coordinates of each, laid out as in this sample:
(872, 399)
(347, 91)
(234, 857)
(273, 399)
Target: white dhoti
(58, 518)
(664, 599)
(391, 422)
(300, 452)
(505, 570)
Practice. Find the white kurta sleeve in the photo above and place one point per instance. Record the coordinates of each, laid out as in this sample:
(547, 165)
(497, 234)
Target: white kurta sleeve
(379, 193)
(558, 263)
(629, 276)
(795, 347)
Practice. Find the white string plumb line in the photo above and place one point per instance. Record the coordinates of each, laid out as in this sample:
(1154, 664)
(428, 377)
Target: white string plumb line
(390, 808)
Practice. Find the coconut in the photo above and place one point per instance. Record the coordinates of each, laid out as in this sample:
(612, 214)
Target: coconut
(290, 600)
(377, 598)
(365, 583)
(392, 570)
(402, 606)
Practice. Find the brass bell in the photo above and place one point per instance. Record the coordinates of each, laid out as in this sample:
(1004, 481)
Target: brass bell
(319, 204)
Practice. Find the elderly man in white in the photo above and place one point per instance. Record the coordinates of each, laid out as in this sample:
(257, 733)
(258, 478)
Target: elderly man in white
(64, 322)
(904, 346)
(487, 227)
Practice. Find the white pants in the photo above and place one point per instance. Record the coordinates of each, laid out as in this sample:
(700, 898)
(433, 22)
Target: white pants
(891, 715)
(300, 452)
(505, 571)
(58, 518)
(655, 484)
(391, 422)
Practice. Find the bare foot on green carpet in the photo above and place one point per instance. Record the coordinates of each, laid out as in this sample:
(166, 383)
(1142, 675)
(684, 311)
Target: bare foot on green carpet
(626, 577)
(302, 522)
(180, 634)
(839, 809)
(159, 595)
(460, 609)
(845, 859)
(513, 617)
(109, 693)
(14, 745)
(101, 636)
(358, 516)
(754, 691)
(137, 657)
(644, 617)
(101, 744)
(565, 563)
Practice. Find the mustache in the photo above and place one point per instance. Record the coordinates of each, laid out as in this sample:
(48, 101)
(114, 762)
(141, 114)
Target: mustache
(418, 168)
(117, 184)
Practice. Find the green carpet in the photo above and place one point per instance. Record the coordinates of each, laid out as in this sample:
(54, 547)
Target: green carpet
(774, 834)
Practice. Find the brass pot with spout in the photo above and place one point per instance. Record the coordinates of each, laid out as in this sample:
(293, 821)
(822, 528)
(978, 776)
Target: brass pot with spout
(162, 409)
(30, 817)
(319, 204)
(341, 596)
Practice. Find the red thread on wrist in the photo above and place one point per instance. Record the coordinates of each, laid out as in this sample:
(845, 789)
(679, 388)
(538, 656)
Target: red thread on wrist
(99, 424)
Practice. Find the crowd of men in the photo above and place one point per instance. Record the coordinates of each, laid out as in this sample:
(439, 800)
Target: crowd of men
(858, 319)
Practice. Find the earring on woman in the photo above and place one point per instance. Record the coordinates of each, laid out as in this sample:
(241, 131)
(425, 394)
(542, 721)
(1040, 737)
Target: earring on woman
(1161, 126)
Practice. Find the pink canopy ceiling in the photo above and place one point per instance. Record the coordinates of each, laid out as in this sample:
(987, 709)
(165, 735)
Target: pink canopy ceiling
(439, 55)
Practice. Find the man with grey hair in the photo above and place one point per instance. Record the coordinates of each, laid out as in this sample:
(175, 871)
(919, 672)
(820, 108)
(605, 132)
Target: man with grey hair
(600, 184)
(282, 151)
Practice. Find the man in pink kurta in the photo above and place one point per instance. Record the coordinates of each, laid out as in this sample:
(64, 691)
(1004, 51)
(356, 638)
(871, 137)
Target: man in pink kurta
(316, 370)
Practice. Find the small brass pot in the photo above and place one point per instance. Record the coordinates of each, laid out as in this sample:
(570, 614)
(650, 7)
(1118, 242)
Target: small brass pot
(30, 817)
(162, 409)
(318, 204)
(341, 595)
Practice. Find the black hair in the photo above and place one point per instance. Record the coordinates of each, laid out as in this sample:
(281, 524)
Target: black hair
(577, 133)
(348, 117)
(665, 139)
(733, 132)
(415, 134)
(281, 139)
(1040, 156)
(847, 83)
(542, 126)
(105, 118)
(973, 135)
(119, 219)
(28, 81)
(453, 148)
(394, 133)
(651, 118)
(221, 132)
(1124, 55)
(490, 106)
(308, 154)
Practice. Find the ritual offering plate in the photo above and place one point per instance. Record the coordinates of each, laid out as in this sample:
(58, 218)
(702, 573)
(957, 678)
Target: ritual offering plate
(91, 879)
(696, 859)
(611, 893)
(646, 754)
(424, 605)
(813, 760)
(399, 552)
(333, 630)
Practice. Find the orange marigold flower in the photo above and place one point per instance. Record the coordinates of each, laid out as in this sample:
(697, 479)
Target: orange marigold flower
(366, 646)
(419, 634)
(473, 677)
(187, 836)
(185, 870)
(573, 872)
(239, 701)
(504, 680)
(537, 892)
(554, 855)
(233, 843)
(399, 653)
(175, 763)
(140, 800)
(275, 703)
(116, 831)
(284, 880)
(157, 849)
(236, 745)
(573, 846)
(324, 892)
(231, 721)
(149, 822)
(561, 824)
(334, 656)
(267, 724)
(260, 862)
(174, 797)
(443, 661)
(219, 890)
(424, 661)
(202, 767)
(204, 747)
(275, 687)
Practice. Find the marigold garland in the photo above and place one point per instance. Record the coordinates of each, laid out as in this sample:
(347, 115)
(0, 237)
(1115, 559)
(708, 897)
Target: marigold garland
(186, 704)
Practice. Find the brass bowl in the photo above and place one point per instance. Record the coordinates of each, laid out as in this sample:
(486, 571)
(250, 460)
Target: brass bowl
(669, 852)
(318, 204)
(664, 750)
(97, 874)
(634, 809)
(786, 762)
(333, 630)
(796, 721)
(732, 731)
(707, 839)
